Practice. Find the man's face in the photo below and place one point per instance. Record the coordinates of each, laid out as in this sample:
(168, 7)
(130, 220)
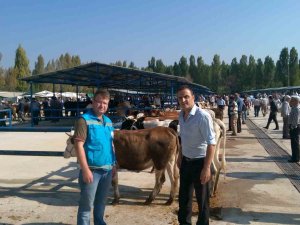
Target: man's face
(100, 104)
(186, 99)
(293, 102)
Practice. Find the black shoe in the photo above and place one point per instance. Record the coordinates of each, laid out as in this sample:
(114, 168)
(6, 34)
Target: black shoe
(276, 129)
(292, 161)
(266, 128)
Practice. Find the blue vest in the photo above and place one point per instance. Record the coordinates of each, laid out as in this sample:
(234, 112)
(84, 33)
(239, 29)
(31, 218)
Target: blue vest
(98, 144)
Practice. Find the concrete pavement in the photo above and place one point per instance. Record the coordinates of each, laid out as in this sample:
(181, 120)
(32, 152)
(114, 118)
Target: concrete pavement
(43, 190)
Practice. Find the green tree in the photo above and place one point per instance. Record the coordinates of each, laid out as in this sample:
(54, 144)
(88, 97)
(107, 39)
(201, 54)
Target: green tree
(215, 73)
(76, 61)
(132, 66)
(283, 67)
(2, 75)
(232, 79)
(177, 70)
(202, 76)
(184, 67)
(11, 80)
(21, 68)
(242, 74)
(251, 74)
(259, 74)
(269, 72)
(294, 67)
(39, 68)
(151, 64)
(169, 70)
(225, 72)
(193, 71)
(159, 66)
(124, 64)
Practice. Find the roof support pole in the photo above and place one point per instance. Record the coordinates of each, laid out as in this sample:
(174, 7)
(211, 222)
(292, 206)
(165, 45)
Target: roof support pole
(77, 100)
(53, 89)
(172, 93)
(31, 112)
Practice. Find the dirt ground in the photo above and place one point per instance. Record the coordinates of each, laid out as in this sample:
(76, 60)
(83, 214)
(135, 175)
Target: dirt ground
(44, 190)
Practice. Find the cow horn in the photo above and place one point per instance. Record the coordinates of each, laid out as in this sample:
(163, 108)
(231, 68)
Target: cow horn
(69, 134)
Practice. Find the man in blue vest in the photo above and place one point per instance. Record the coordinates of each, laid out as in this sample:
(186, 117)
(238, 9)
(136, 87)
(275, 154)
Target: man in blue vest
(93, 143)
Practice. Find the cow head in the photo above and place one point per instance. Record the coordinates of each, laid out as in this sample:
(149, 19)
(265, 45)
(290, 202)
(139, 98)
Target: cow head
(70, 148)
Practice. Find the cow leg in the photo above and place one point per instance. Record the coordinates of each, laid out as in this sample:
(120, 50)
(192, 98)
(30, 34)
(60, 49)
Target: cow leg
(173, 173)
(216, 181)
(115, 184)
(159, 180)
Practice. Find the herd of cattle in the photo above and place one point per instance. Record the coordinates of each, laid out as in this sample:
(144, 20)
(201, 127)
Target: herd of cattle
(145, 142)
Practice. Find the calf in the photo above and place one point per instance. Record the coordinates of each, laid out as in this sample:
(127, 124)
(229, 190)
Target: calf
(140, 149)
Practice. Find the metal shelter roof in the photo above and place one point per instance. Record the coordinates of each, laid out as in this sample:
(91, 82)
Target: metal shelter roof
(107, 76)
(275, 89)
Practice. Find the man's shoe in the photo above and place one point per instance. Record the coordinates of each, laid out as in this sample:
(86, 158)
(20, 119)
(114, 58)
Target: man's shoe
(292, 161)
(266, 128)
(276, 129)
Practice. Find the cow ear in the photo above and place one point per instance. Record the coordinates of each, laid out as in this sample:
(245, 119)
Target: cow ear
(69, 134)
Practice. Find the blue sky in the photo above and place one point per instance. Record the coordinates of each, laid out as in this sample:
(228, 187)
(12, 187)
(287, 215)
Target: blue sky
(136, 30)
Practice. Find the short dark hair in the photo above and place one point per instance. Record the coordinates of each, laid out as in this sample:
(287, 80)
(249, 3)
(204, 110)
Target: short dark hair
(102, 92)
(183, 87)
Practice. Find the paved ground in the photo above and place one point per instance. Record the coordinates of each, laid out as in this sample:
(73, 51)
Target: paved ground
(43, 190)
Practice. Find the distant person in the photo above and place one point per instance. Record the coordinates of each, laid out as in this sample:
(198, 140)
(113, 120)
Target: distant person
(198, 147)
(35, 108)
(294, 124)
(221, 106)
(256, 105)
(285, 111)
(273, 113)
(233, 115)
(2, 114)
(21, 110)
(95, 154)
(157, 101)
(264, 105)
(240, 104)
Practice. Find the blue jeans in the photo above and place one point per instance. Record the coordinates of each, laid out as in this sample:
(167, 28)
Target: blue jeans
(93, 194)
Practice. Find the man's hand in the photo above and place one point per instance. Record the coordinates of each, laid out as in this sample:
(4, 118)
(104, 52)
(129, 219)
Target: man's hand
(205, 175)
(87, 176)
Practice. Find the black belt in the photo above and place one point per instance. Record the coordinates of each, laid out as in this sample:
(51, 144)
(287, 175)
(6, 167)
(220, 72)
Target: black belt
(191, 159)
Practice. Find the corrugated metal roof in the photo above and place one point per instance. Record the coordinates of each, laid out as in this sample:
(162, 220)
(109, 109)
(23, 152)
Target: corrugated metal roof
(102, 75)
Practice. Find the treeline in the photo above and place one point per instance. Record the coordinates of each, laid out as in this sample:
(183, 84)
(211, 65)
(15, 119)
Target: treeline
(241, 74)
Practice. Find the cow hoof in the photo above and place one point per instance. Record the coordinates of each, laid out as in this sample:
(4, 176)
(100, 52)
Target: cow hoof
(148, 202)
(115, 202)
(169, 202)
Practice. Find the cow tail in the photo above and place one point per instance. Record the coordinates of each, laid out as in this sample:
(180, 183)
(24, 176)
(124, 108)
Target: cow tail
(223, 127)
(177, 154)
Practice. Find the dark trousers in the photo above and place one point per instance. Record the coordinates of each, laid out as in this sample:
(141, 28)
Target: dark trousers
(256, 110)
(294, 135)
(239, 122)
(229, 124)
(273, 116)
(189, 180)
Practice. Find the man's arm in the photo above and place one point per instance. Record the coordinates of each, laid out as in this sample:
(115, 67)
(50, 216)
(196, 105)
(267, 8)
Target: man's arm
(206, 172)
(86, 172)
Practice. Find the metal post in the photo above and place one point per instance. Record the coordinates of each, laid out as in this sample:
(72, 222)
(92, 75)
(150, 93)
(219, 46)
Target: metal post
(172, 94)
(31, 111)
(10, 117)
(77, 100)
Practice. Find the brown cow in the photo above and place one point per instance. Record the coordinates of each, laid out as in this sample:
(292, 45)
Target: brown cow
(140, 149)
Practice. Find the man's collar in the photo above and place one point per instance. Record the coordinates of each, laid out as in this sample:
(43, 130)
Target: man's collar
(193, 110)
